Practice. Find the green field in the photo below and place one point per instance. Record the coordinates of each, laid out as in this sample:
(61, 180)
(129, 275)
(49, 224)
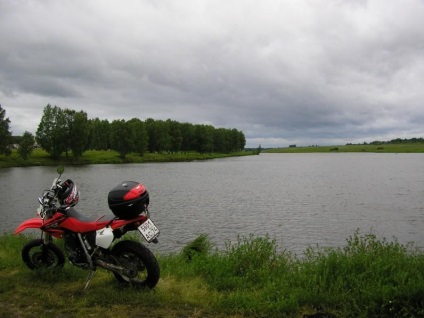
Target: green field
(383, 148)
(40, 158)
(368, 277)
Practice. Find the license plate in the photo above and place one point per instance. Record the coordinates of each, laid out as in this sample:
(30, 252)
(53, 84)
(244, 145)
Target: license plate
(149, 230)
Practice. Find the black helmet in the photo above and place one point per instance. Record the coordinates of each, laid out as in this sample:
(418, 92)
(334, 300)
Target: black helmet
(68, 194)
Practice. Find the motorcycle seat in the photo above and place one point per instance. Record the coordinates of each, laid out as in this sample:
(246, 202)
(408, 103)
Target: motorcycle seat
(73, 213)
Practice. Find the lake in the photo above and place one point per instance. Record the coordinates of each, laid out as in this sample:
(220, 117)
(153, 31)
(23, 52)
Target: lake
(297, 199)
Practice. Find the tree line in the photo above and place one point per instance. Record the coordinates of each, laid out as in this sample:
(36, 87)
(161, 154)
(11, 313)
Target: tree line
(399, 141)
(71, 132)
(394, 141)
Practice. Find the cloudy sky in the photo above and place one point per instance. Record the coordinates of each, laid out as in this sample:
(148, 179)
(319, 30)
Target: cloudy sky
(284, 72)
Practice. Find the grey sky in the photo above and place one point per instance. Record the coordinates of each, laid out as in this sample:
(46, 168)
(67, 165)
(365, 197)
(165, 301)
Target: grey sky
(284, 72)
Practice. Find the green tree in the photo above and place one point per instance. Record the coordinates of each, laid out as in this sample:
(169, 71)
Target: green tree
(78, 132)
(159, 138)
(188, 134)
(26, 145)
(204, 138)
(121, 137)
(140, 138)
(152, 133)
(258, 150)
(99, 134)
(175, 135)
(221, 140)
(52, 132)
(238, 141)
(5, 134)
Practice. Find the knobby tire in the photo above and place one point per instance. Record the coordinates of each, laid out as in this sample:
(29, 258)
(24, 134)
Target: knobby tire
(131, 254)
(36, 254)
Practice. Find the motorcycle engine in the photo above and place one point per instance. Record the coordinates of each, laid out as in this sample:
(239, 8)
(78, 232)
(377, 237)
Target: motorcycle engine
(74, 249)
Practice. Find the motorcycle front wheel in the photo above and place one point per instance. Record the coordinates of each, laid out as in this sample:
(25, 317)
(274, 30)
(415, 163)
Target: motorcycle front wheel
(36, 254)
(139, 262)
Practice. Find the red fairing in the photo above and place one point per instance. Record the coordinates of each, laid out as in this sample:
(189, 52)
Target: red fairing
(77, 226)
(60, 222)
(51, 226)
(34, 223)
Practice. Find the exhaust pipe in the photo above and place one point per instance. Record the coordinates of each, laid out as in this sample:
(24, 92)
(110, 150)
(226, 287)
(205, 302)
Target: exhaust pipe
(116, 269)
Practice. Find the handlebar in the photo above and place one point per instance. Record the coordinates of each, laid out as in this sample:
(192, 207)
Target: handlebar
(49, 199)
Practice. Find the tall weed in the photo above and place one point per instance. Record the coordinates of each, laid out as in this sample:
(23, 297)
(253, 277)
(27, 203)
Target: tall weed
(367, 277)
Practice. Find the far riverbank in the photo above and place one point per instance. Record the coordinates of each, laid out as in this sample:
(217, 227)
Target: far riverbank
(41, 158)
(375, 148)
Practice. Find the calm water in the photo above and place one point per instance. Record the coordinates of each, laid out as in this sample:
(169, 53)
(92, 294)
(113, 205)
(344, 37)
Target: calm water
(298, 199)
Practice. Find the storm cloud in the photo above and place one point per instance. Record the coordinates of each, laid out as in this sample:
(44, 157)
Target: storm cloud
(284, 72)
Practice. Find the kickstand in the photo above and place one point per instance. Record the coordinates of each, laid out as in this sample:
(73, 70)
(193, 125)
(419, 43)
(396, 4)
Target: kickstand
(89, 277)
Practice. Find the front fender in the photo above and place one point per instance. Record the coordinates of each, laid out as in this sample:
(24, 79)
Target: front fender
(34, 223)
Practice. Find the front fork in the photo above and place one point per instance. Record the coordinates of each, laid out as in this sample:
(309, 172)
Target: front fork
(46, 237)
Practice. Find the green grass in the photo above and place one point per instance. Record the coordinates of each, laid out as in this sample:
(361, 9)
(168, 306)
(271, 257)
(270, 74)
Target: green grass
(368, 277)
(41, 158)
(383, 148)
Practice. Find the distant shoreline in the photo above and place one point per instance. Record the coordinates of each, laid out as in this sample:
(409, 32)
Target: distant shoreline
(41, 158)
(369, 148)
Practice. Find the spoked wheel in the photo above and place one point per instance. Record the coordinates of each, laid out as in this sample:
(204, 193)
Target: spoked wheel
(141, 265)
(36, 254)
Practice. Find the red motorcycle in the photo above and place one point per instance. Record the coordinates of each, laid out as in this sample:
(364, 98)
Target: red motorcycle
(88, 240)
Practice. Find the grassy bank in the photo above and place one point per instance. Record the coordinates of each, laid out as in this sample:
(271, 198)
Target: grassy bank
(368, 277)
(40, 158)
(384, 148)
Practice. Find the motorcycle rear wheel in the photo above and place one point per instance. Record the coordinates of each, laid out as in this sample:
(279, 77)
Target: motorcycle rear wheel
(139, 261)
(36, 254)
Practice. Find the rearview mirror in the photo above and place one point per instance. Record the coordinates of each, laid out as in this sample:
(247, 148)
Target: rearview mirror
(60, 169)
